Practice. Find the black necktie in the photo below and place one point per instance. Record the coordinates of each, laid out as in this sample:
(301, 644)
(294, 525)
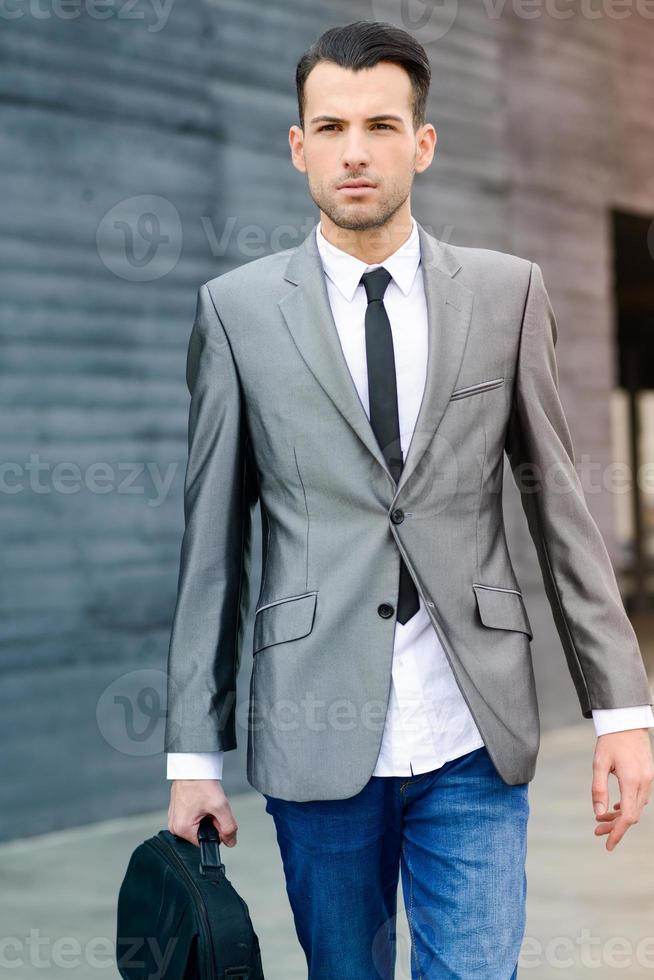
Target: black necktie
(384, 419)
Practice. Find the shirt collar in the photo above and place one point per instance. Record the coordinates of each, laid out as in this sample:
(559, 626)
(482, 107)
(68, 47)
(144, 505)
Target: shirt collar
(345, 270)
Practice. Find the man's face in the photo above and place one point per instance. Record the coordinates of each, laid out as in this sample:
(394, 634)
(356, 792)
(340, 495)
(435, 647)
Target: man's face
(359, 125)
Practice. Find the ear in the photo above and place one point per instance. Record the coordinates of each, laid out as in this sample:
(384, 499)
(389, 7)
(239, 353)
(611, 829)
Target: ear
(426, 138)
(296, 142)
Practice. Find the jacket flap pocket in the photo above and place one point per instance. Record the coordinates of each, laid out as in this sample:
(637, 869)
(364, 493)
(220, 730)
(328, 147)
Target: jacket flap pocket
(284, 619)
(502, 608)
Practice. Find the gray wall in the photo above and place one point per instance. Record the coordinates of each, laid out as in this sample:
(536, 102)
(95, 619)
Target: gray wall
(95, 114)
(539, 133)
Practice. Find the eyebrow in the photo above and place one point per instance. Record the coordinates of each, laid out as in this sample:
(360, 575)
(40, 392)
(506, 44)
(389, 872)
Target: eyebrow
(336, 119)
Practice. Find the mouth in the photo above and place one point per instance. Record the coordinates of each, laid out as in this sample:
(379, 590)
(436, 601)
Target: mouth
(354, 188)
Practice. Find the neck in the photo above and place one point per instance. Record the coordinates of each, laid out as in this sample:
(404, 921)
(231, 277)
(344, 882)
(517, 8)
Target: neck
(370, 245)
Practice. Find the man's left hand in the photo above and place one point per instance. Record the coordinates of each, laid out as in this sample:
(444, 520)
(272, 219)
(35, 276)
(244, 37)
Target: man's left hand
(629, 755)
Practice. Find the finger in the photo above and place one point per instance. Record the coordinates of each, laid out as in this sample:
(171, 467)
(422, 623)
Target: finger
(186, 833)
(604, 828)
(226, 825)
(600, 787)
(610, 814)
(630, 784)
(643, 797)
(617, 832)
(228, 839)
(630, 811)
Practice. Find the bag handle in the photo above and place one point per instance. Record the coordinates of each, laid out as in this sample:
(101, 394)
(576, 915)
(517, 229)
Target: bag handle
(209, 840)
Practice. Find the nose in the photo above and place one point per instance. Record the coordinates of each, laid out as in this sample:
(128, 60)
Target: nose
(355, 153)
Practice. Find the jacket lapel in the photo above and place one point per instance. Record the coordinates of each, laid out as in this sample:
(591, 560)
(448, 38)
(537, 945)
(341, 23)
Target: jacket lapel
(449, 309)
(309, 318)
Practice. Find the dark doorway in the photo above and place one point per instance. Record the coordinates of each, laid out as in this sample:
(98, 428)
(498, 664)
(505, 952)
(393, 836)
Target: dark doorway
(633, 251)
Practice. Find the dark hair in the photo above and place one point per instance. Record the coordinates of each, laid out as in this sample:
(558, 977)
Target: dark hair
(363, 44)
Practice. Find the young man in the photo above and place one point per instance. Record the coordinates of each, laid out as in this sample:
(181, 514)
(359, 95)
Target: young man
(364, 386)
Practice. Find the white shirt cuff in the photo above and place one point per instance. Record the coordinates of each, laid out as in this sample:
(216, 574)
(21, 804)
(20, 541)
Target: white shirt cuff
(194, 765)
(622, 719)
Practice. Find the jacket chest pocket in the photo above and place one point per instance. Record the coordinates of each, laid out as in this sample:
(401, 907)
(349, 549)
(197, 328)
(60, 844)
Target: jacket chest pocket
(284, 619)
(476, 388)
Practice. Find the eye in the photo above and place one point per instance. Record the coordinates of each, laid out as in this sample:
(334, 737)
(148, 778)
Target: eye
(327, 126)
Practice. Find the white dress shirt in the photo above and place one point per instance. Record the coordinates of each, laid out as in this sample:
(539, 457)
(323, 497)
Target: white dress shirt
(428, 721)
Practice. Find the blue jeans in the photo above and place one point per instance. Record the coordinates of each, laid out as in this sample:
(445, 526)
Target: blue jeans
(459, 836)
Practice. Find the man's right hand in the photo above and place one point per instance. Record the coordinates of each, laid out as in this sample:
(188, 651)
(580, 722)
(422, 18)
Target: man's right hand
(193, 799)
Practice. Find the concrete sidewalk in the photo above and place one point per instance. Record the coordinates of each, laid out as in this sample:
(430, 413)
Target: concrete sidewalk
(590, 912)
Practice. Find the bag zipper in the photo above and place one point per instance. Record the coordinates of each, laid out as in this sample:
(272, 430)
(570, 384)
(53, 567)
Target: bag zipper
(161, 845)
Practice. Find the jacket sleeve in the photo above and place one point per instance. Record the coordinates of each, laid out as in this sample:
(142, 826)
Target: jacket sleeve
(599, 642)
(220, 491)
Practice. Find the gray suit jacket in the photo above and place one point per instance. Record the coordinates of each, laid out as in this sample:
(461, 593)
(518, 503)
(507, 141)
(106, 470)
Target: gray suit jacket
(275, 417)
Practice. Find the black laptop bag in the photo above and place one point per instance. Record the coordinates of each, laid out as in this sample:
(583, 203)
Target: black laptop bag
(180, 918)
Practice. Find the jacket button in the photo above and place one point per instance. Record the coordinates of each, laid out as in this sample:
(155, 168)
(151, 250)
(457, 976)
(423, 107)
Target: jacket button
(397, 516)
(385, 610)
